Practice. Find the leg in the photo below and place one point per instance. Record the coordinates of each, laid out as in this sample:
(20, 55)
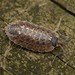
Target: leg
(2, 29)
(58, 54)
(63, 37)
(3, 21)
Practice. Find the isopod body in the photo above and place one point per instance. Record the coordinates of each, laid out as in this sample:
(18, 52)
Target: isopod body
(31, 36)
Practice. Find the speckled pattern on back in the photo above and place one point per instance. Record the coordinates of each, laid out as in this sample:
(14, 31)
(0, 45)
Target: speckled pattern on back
(30, 36)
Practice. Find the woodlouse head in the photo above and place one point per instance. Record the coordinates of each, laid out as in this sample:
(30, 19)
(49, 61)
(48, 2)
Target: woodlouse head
(54, 41)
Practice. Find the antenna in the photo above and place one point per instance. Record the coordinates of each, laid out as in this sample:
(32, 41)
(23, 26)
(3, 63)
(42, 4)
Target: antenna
(3, 21)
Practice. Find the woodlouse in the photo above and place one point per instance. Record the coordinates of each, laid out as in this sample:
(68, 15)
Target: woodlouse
(34, 37)
(31, 36)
